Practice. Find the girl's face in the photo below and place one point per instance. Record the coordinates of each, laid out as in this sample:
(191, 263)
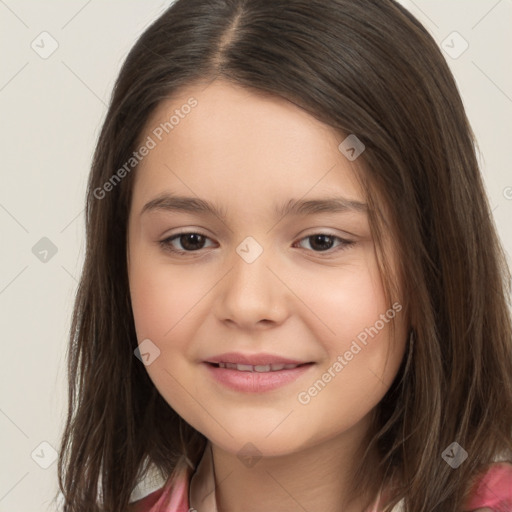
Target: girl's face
(252, 279)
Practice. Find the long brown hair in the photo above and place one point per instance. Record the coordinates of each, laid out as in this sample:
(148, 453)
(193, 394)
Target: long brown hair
(367, 68)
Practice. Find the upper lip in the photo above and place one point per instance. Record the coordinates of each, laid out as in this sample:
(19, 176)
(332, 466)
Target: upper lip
(252, 359)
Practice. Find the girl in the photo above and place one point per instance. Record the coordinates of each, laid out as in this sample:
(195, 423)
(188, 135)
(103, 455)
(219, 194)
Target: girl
(293, 296)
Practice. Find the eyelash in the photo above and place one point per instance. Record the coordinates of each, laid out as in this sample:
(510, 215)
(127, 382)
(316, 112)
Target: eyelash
(166, 244)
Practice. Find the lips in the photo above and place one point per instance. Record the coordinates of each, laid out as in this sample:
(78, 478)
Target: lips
(255, 373)
(256, 368)
(256, 378)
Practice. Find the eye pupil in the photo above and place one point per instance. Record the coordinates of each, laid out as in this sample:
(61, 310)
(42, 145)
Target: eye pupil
(196, 238)
(320, 241)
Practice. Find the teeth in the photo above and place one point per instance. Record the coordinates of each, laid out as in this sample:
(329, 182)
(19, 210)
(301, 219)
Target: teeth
(257, 368)
(244, 367)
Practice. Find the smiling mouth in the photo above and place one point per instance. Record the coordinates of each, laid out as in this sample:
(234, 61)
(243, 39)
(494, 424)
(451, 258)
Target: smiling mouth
(257, 368)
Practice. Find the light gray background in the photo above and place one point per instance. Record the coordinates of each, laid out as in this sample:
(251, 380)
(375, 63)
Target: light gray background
(51, 111)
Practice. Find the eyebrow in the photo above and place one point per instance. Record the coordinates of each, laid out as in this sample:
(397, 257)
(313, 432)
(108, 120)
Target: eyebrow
(175, 203)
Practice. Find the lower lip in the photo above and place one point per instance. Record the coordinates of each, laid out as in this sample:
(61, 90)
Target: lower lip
(256, 382)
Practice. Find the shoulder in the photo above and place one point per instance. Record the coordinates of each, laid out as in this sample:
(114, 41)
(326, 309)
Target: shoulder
(492, 490)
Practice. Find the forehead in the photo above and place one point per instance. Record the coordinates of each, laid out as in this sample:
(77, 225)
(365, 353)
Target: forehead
(221, 140)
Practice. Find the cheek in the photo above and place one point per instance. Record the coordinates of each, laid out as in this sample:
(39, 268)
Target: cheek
(345, 301)
(154, 301)
(361, 359)
(149, 302)
(163, 301)
(155, 291)
(166, 300)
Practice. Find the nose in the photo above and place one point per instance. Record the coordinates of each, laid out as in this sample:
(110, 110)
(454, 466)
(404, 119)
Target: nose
(251, 295)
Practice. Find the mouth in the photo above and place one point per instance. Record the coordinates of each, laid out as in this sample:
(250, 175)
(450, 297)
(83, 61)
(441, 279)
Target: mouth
(256, 378)
(261, 368)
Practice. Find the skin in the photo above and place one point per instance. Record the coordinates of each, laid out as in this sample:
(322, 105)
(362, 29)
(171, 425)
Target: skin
(247, 152)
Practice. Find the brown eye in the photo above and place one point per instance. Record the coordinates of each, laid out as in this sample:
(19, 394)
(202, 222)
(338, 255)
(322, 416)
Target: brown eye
(323, 242)
(189, 242)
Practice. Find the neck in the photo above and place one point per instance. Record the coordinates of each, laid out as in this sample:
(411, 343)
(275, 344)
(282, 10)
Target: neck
(317, 477)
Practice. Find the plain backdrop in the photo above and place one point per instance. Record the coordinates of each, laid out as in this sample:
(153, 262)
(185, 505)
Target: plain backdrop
(51, 111)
